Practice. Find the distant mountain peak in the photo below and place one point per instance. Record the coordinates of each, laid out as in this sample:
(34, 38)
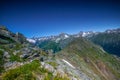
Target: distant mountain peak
(62, 36)
(113, 30)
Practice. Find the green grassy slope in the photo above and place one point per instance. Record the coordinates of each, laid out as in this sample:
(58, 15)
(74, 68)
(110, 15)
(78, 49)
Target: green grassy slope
(91, 59)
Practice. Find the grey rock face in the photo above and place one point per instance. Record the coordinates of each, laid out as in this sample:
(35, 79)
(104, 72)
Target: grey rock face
(6, 35)
(6, 55)
(20, 37)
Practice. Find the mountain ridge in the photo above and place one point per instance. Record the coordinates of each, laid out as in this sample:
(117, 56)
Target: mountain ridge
(108, 39)
(90, 55)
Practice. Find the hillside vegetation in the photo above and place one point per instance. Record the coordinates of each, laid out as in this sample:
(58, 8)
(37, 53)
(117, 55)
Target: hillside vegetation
(91, 59)
(110, 41)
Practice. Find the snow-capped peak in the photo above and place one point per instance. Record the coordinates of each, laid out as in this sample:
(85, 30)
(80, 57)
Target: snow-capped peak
(84, 34)
(66, 36)
(31, 40)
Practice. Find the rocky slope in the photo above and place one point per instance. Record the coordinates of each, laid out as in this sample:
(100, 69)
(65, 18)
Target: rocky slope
(15, 49)
(20, 60)
(7, 36)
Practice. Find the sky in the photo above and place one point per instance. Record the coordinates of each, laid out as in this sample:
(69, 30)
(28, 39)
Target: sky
(51, 17)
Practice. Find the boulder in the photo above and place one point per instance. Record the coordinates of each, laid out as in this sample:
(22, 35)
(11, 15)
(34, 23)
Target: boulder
(24, 56)
(6, 55)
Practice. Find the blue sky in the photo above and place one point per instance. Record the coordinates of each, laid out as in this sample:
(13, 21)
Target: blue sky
(51, 17)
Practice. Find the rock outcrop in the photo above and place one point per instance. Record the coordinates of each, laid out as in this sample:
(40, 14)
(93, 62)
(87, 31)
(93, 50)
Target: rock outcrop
(7, 36)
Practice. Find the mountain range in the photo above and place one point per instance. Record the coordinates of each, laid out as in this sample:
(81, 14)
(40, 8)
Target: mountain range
(81, 56)
(109, 40)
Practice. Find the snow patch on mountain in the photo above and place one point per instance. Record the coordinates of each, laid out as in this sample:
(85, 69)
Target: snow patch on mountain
(66, 36)
(68, 63)
(31, 40)
(57, 40)
(84, 34)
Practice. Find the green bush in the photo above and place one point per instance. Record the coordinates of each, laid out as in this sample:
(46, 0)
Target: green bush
(54, 64)
(14, 58)
(24, 72)
(58, 77)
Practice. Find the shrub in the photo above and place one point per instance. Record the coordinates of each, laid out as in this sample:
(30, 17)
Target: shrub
(24, 72)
